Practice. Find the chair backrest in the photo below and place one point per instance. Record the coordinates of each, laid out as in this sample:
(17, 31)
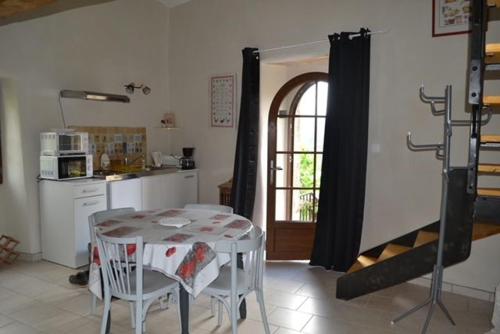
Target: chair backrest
(213, 207)
(253, 257)
(101, 216)
(121, 260)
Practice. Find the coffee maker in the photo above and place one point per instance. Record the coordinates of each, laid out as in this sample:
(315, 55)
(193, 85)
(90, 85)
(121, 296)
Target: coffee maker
(187, 161)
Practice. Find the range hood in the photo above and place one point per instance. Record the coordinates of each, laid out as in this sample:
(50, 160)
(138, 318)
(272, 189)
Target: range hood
(93, 96)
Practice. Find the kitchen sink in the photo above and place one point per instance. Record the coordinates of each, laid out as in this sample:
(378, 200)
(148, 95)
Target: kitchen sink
(125, 173)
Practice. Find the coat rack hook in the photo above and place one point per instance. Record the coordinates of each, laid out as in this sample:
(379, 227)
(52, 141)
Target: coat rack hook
(417, 148)
(430, 99)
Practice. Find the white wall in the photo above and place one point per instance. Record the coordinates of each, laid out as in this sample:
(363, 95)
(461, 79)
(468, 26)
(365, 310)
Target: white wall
(403, 188)
(98, 48)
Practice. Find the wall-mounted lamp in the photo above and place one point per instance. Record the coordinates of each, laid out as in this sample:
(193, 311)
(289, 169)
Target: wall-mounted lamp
(93, 96)
(131, 87)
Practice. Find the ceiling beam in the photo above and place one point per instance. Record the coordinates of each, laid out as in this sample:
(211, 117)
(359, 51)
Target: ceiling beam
(21, 10)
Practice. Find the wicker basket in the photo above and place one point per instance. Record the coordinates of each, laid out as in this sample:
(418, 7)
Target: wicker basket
(225, 193)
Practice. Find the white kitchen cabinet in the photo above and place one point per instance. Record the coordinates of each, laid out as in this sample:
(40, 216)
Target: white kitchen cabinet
(64, 210)
(125, 194)
(172, 190)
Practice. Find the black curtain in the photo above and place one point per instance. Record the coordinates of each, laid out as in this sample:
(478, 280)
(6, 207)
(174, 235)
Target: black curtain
(245, 162)
(343, 173)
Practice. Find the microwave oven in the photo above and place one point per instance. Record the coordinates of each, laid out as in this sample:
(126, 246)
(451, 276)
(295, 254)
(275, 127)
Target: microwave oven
(66, 167)
(64, 143)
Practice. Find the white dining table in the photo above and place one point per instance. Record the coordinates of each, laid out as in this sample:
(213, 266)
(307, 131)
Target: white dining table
(184, 253)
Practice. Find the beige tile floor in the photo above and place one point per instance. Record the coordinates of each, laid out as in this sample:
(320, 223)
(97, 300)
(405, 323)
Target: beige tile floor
(37, 298)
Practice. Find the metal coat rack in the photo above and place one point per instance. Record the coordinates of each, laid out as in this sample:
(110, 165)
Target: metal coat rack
(442, 151)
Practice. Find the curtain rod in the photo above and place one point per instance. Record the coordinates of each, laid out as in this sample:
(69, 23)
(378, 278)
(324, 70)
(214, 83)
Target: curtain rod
(318, 42)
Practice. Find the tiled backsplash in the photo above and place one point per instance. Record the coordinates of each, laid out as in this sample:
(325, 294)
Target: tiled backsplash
(117, 143)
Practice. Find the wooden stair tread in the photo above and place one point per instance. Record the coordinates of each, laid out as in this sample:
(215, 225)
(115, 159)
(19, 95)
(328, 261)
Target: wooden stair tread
(491, 101)
(492, 53)
(490, 139)
(424, 237)
(494, 3)
(392, 250)
(481, 230)
(489, 169)
(362, 262)
(488, 192)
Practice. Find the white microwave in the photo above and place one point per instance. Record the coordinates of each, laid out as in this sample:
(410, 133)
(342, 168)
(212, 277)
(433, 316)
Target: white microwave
(64, 143)
(66, 167)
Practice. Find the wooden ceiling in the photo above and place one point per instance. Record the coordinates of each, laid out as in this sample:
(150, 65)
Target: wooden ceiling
(13, 7)
(21, 10)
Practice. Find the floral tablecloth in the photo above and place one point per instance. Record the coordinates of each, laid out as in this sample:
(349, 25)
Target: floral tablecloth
(185, 254)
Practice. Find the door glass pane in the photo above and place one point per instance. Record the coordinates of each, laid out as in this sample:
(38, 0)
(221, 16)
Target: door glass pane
(304, 134)
(316, 206)
(303, 205)
(320, 135)
(287, 101)
(282, 197)
(282, 175)
(282, 142)
(303, 170)
(322, 97)
(319, 161)
(307, 103)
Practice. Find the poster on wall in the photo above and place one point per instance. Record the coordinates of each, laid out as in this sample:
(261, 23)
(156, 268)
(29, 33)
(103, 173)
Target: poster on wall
(450, 17)
(222, 100)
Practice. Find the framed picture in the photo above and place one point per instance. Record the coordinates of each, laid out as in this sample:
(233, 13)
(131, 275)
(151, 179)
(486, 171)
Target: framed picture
(222, 100)
(450, 17)
(168, 120)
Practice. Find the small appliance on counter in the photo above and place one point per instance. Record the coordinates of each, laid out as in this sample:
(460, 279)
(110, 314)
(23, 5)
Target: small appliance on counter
(64, 155)
(66, 167)
(187, 161)
(64, 142)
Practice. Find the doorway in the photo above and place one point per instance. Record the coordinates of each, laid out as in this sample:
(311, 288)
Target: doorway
(295, 146)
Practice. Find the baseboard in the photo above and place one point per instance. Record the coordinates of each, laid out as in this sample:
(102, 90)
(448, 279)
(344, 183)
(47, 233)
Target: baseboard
(28, 257)
(458, 289)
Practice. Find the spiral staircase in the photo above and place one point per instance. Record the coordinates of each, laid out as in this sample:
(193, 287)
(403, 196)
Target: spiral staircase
(472, 212)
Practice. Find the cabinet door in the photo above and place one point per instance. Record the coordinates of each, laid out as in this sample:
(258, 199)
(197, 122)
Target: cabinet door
(187, 188)
(125, 194)
(84, 207)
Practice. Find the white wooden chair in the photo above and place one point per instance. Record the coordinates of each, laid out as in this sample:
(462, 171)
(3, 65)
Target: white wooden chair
(234, 284)
(95, 219)
(125, 278)
(213, 207)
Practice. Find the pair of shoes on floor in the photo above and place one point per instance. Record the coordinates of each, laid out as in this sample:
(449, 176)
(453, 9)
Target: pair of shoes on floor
(81, 278)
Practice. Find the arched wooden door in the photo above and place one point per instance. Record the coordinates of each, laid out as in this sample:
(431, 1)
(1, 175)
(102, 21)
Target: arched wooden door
(295, 145)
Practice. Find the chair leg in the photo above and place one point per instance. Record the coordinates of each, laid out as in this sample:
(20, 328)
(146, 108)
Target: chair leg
(93, 303)
(234, 314)
(132, 315)
(212, 305)
(105, 314)
(138, 317)
(220, 313)
(260, 300)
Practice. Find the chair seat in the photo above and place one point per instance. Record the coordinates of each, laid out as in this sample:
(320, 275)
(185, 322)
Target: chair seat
(222, 285)
(152, 282)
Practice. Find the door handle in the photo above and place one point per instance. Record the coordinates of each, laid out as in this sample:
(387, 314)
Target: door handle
(91, 203)
(273, 170)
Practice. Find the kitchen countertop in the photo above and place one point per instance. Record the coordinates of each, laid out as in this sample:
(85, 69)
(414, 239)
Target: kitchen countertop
(117, 176)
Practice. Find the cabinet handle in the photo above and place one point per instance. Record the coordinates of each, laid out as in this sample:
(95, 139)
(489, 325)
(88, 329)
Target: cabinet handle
(90, 203)
(93, 190)
(188, 176)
